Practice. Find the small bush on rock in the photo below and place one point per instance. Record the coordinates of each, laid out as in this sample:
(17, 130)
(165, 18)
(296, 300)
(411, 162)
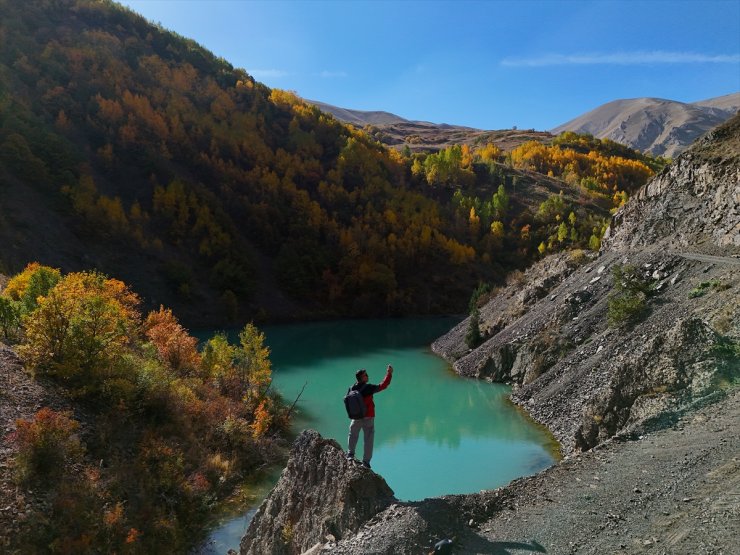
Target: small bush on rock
(473, 338)
(628, 300)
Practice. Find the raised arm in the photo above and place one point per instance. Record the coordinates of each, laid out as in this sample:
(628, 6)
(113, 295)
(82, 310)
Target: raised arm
(387, 380)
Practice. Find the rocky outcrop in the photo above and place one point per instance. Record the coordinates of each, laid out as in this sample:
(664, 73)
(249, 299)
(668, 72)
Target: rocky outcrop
(320, 497)
(693, 201)
(502, 357)
(586, 380)
(610, 389)
(672, 491)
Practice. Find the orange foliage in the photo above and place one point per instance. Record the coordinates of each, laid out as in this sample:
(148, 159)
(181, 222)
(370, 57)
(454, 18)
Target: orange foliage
(132, 536)
(142, 109)
(81, 326)
(109, 110)
(113, 516)
(175, 347)
(262, 420)
(47, 444)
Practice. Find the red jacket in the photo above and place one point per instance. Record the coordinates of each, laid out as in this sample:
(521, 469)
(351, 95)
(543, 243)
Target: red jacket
(368, 390)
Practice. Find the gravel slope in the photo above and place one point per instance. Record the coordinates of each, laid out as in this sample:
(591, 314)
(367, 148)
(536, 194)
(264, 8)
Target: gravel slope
(674, 491)
(21, 397)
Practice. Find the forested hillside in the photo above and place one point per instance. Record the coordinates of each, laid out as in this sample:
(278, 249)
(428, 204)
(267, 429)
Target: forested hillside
(128, 148)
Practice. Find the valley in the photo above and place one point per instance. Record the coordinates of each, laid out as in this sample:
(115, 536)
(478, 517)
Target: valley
(149, 189)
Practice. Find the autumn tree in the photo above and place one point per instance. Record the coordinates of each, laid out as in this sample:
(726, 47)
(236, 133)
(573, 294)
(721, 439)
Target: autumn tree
(80, 328)
(489, 152)
(175, 347)
(47, 446)
(31, 284)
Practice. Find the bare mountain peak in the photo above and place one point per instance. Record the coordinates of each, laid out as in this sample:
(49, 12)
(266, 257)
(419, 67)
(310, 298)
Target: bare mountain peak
(659, 126)
(729, 102)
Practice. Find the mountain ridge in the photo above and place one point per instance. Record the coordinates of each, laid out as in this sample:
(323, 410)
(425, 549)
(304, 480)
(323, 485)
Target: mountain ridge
(661, 127)
(358, 117)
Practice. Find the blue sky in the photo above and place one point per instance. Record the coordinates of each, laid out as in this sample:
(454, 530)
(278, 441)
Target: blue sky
(485, 64)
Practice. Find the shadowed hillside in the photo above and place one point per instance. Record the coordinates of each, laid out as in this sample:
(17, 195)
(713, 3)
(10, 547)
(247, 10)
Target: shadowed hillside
(131, 149)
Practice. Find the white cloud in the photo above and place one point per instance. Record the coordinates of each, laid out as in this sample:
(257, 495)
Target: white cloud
(263, 73)
(330, 74)
(621, 58)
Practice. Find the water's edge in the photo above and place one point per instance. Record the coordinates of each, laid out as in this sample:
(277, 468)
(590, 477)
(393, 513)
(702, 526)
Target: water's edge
(227, 533)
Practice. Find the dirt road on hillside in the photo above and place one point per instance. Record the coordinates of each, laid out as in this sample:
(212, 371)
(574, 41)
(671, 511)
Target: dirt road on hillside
(710, 258)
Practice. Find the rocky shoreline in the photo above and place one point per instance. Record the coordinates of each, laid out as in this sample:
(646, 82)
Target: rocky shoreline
(641, 394)
(673, 491)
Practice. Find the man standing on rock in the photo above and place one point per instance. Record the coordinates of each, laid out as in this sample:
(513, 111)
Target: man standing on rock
(367, 424)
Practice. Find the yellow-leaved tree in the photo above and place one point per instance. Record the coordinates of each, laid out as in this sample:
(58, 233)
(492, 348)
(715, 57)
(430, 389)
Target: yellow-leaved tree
(253, 362)
(243, 371)
(80, 328)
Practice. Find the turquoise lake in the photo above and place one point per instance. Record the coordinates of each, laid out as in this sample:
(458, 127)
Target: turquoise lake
(435, 432)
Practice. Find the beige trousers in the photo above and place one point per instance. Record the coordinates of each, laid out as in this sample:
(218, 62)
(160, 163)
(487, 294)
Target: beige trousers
(367, 425)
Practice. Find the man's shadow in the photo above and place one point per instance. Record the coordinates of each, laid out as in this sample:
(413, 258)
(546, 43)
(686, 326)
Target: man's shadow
(486, 547)
(482, 546)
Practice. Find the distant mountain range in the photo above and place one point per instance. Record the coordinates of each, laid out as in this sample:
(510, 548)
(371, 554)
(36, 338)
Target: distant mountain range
(396, 131)
(359, 118)
(658, 126)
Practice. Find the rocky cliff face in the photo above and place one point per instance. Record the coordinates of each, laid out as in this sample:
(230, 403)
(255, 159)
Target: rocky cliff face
(693, 202)
(320, 497)
(588, 380)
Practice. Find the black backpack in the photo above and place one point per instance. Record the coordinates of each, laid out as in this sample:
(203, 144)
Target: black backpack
(355, 404)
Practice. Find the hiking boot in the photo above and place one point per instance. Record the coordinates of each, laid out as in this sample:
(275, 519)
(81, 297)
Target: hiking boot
(366, 464)
(350, 456)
